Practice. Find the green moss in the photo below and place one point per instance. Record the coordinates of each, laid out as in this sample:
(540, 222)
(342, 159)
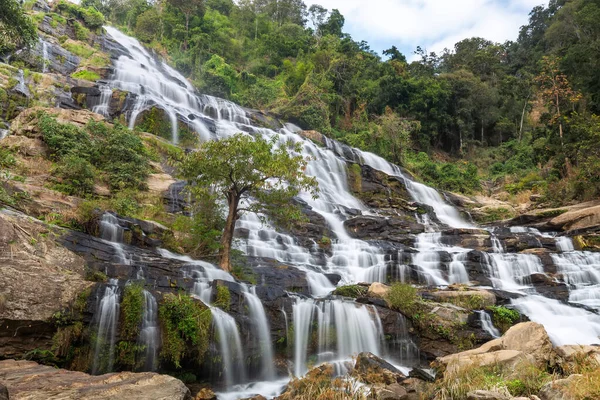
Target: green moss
(95, 276)
(79, 49)
(86, 75)
(353, 291)
(355, 177)
(223, 298)
(185, 328)
(551, 213)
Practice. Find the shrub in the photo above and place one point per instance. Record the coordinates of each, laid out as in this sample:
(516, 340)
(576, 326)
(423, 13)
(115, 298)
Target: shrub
(77, 176)
(7, 159)
(403, 297)
(125, 203)
(132, 311)
(185, 322)
(504, 317)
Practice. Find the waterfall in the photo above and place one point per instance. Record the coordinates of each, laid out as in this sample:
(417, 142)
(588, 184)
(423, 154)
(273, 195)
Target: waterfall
(341, 329)
(333, 330)
(3, 133)
(487, 325)
(45, 59)
(149, 334)
(263, 332)
(230, 347)
(21, 87)
(112, 232)
(107, 315)
(564, 244)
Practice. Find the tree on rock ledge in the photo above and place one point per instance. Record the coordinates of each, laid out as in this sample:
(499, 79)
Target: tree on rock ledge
(242, 167)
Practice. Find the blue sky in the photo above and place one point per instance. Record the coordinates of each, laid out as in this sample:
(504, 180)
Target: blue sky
(431, 24)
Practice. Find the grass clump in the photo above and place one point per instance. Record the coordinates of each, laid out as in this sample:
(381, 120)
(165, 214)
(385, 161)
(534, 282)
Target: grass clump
(185, 324)
(223, 298)
(320, 384)
(524, 379)
(132, 311)
(353, 291)
(403, 297)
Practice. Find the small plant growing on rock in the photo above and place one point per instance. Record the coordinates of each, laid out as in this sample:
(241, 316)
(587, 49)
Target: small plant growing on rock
(353, 291)
(504, 317)
(403, 297)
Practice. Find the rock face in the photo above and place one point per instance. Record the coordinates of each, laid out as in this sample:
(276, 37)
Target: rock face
(486, 395)
(556, 390)
(525, 341)
(26, 123)
(37, 279)
(31, 381)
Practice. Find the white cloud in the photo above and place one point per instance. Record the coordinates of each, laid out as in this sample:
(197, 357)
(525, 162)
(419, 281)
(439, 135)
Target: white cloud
(432, 24)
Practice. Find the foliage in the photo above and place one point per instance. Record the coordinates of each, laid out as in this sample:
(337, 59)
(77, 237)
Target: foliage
(116, 153)
(131, 311)
(242, 166)
(77, 176)
(353, 291)
(503, 317)
(185, 324)
(16, 29)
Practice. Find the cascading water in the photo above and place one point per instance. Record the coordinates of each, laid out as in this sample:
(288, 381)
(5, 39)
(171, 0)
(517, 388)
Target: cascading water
(45, 60)
(263, 333)
(336, 329)
(3, 133)
(149, 334)
(107, 315)
(112, 232)
(230, 347)
(487, 324)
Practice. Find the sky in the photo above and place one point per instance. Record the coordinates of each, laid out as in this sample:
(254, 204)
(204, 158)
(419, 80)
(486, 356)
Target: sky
(431, 24)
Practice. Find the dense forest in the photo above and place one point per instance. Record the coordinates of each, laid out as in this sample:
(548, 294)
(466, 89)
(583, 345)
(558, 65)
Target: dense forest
(520, 114)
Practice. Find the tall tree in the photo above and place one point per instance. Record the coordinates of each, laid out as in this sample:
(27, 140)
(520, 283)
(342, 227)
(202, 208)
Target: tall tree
(189, 8)
(250, 170)
(556, 92)
(16, 29)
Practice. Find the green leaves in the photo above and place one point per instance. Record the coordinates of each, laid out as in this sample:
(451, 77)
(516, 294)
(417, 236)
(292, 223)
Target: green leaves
(16, 29)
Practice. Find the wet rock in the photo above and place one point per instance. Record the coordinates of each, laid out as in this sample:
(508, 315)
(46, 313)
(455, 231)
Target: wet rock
(26, 379)
(205, 394)
(486, 395)
(315, 136)
(422, 374)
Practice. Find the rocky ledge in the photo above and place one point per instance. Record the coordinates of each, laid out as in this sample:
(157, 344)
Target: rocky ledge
(32, 381)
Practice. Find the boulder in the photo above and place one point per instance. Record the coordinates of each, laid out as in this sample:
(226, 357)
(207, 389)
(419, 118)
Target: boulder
(571, 356)
(486, 395)
(38, 278)
(371, 369)
(32, 381)
(378, 290)
(205, 394)
(586, 218)
(557, 390)
(392, 392)
(526, 341)
(315, 136)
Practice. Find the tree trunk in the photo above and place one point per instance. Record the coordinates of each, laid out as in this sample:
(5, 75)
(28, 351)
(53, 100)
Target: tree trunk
(227, 238)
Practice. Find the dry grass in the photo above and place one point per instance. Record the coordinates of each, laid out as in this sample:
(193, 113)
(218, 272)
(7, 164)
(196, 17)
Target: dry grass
(319, 384)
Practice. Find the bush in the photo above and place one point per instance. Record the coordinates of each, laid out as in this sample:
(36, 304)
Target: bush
(504, 317)
(185, 322)
(7, 159)
(77, 176)
(132, 312)
(402, 297)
